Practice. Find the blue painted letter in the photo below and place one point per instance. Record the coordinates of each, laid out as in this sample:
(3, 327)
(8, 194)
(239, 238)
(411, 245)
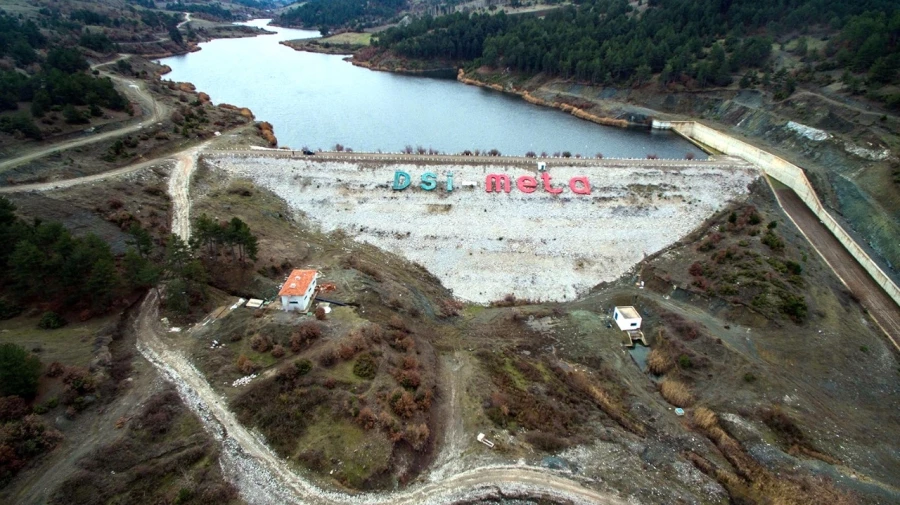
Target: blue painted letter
(429, 181)
(450, 182)
(401, 180)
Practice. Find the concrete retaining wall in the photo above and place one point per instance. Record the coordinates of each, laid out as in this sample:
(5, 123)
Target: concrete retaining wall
(790, 175)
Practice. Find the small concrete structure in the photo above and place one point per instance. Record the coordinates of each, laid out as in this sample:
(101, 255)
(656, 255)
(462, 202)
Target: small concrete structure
(484, 441)
(629, 321)
(542, 166)
(297, 291)
(627, 318)
(254, 303)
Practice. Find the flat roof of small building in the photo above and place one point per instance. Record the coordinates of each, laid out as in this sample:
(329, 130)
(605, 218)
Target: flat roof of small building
(297, 283)
(628, 312)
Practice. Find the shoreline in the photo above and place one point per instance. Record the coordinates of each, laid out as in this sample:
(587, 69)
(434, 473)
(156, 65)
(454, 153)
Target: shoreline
(571, 109)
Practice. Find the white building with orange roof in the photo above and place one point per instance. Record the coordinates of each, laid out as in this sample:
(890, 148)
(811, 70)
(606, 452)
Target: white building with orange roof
(298, 290)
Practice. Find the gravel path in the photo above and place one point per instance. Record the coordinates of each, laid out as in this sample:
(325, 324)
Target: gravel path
(485, 245)
(263, 478)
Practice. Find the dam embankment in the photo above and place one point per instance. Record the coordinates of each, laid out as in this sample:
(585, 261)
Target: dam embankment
(795, 178)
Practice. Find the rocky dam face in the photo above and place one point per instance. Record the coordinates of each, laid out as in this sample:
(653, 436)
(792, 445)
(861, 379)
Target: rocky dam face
(551, 237)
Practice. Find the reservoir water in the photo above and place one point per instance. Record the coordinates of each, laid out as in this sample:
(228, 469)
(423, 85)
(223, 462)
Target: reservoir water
(319, 100)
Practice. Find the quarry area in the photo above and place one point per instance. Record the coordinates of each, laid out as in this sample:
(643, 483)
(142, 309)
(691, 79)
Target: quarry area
(486, 245)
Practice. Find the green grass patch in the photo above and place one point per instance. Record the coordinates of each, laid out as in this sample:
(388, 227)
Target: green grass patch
(349, 38)
(71, 344)
(359, 455)
(518, 379)
(343, 372)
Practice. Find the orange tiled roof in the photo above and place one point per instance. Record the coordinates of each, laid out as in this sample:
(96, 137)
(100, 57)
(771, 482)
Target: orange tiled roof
(297, 283)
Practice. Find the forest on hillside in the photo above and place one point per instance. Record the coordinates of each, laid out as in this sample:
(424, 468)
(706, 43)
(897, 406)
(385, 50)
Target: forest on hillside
(699, 43)
(329, 14)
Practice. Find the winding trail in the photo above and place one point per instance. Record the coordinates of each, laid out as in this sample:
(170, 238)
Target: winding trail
(265, 478)
(153, 111)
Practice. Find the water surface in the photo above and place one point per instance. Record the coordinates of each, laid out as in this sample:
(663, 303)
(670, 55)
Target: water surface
(319, 100)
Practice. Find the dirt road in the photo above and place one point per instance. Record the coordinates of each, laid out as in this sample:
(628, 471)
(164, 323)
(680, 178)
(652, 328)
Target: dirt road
(264, 478)
(180, 189)
(67, 183)
(136, 90)
(880, 306)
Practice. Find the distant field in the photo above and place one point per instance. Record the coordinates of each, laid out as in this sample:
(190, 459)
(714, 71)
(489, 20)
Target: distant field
(349, 38)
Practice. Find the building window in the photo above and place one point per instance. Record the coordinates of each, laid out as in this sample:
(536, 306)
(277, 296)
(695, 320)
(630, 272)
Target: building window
(633, 325)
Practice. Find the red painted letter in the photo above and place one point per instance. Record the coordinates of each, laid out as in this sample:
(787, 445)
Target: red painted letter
(585, 188)
(526, 184)
(494, 182)
(549, 189)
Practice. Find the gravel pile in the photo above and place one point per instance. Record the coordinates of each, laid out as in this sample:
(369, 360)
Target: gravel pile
(484, 245)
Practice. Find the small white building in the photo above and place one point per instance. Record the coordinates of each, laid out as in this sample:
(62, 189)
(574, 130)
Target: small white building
(298, 290)
(627, 318)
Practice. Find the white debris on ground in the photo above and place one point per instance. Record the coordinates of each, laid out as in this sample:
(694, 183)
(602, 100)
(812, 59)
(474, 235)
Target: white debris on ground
(174, 329)
(215, 344)
(807, 131)
(485, 245)
(868, 154)
(243, 381)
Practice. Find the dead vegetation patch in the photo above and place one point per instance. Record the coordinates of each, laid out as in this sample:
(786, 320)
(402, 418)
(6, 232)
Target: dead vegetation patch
(676, 393)
(752, 483)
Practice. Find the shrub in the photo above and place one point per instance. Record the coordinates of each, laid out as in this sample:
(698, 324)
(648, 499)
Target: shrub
(55, 369)
(409, 379)
(704, 418)
(19, 371)
(772, 225)
(327, 358)
(784, 426)
(684, 361)
(365, 367)
(754, 219)
(794, 306)
(278, 351)
(659, 361)
(366, 418)
(403, 404)
(245, 365)
(51, 321)
(260, 343)
(345, 352)
(303, 366)
(773, 241)
(689, 156)
(696, 269)
(417, 435)
(397, 323)
(320, 313)
(676, 393)
(12, 408)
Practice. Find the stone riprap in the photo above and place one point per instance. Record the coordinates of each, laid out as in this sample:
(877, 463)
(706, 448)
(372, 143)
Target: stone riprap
(484, 245)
